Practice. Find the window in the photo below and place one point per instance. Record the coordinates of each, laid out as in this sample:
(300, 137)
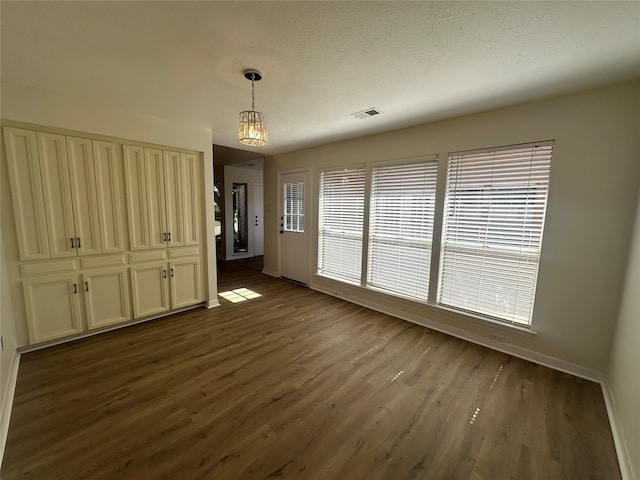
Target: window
(294, 207)
(340, 223)
(402, 208)
(494, 210)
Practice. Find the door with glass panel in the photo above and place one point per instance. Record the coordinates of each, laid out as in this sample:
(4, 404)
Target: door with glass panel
(294, 226)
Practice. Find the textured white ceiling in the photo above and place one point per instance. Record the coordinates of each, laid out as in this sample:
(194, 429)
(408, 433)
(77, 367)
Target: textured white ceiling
(416, 61)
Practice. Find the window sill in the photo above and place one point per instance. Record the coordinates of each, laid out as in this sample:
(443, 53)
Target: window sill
(457, 314)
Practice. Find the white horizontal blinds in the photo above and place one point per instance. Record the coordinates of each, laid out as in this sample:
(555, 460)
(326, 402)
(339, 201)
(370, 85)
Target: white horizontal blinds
(401, 216)
(294, 207)
(340, 223)
(492, 230)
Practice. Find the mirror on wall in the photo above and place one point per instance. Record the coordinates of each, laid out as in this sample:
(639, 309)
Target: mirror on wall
(240, 232)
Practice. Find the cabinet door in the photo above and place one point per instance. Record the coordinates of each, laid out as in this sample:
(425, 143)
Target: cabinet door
(83, 196)
(53, 306)
(57, 195)
(185, 282)
(26, 193)
(150, 289)
(109, 179)
(191, 175)
(136, 187)
(174, 198)
(106, 294)
(154, 172)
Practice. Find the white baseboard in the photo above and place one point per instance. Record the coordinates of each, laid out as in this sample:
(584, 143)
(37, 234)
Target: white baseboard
(7, 402)
(213, 303)
(271, 273)
(622, 453)
(98, 331)
(526, 354)
(626, 468)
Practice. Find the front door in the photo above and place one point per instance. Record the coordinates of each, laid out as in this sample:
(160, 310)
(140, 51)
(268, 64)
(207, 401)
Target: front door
(294, 226)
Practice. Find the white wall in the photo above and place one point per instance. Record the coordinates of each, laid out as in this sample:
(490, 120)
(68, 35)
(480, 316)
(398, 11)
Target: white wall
(239, 175)
(624, 370)
(37, 107)
(595, 177)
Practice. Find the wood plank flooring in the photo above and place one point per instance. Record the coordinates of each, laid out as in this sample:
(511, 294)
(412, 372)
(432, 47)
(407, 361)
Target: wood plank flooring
(295, 384)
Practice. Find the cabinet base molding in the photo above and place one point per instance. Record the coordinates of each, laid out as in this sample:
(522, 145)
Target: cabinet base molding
(91, 333)
(271, 273)
(212, 303)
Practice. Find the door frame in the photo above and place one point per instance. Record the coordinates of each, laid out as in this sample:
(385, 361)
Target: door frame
(309, 213)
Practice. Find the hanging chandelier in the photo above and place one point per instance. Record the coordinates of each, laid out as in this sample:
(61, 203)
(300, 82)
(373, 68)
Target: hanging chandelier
(253, 125)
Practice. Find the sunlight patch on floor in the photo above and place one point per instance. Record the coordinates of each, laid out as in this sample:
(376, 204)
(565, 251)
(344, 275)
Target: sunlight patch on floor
(239, 295)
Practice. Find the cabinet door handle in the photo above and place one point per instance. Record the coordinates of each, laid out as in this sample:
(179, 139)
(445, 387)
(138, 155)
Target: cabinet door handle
(86, 286)
(172, 271)
(169, 234)
(165, 236)
(72, 244)
(75, 288)
(78, 241)
(164, 273)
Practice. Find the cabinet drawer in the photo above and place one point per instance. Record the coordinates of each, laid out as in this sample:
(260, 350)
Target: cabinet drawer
(183, 252)
(150, 256)
(104, 261)
(47, 268)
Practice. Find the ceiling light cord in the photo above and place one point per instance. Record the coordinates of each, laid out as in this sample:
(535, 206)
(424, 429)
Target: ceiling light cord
(253, 100)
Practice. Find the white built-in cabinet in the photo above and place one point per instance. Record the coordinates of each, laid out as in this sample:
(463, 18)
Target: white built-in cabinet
(53, 306)
(185, 282)
(25, 177)
(150, 289)
(106, 232)
(109, 173)
(163, 198)
(66, 193)
(63, 304)
(71, 204)
(106, 296)
(160, 286)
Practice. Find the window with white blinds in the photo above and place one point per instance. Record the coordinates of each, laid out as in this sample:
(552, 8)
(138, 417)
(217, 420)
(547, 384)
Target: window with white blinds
(401, 216)
(340, 223)
(494, 211)
(294, 207)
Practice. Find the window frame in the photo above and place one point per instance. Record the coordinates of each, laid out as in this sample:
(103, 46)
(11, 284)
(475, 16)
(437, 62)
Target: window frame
(438, 236)
(322, 269)
(432, 159)
(299, 203)
(495, 250)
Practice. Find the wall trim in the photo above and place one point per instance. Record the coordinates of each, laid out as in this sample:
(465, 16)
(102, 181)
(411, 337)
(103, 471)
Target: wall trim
(7, 402)
(526, 354)
(91, 333)
(271, 273)
(213, 303)
(626, 468)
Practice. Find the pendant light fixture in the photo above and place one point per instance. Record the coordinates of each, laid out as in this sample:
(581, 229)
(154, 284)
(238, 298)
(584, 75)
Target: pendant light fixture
(253, 125)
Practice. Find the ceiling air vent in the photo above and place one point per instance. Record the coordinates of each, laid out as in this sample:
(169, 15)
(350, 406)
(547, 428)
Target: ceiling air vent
(369, 112)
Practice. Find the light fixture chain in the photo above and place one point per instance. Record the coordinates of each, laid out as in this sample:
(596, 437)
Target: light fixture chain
(253, 102)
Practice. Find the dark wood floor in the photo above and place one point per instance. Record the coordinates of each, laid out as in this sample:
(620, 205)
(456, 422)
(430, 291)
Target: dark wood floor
(299, 385)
